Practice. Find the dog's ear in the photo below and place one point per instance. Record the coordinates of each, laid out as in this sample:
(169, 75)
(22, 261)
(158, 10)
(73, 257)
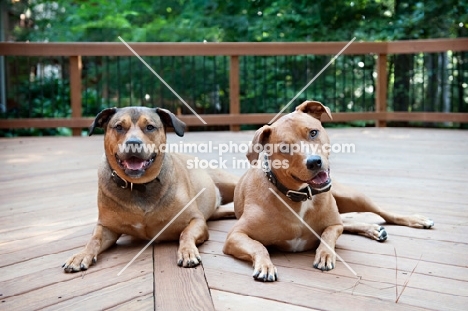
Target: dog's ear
(102, 119)
(314, 108)
(169, 119)
(260, 139)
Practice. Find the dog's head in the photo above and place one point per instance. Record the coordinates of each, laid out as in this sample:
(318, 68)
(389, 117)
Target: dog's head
(297, 147)
(132, 139)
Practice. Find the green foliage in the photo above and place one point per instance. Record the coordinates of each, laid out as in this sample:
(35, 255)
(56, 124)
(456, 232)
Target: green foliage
(253, 20)
(41, 98)
(48, 98)
(267, 83)
(44, 98)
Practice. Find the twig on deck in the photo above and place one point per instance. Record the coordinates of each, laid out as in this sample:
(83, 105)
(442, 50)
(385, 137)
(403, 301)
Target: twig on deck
(407, 281)
(396, 275)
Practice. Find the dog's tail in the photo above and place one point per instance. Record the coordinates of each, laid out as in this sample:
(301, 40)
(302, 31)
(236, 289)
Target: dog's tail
(225, 184)
(223, 212)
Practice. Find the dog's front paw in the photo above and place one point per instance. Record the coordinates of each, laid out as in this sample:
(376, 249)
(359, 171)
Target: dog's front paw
(188, 257)
(79, 262)
(265, 271)
(324, 259)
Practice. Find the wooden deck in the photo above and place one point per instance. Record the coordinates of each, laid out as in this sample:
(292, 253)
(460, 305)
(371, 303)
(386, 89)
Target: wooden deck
(48, 211)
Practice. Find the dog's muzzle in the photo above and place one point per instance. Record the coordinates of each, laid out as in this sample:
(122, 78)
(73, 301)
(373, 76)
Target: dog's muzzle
(320, 181)
(135, 166)
(304, 194)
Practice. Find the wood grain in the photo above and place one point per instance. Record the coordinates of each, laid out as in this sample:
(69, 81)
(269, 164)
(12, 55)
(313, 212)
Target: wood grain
(230, 48)
(48, 210)
(178, 288)
(253, 118)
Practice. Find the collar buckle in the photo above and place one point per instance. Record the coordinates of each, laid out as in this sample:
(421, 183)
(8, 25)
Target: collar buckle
(122, 183)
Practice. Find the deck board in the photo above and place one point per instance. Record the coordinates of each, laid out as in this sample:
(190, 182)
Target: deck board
(178, 288)
(48, 211)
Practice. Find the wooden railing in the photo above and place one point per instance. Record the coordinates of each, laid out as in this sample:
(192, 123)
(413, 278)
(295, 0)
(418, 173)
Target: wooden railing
(234, 50)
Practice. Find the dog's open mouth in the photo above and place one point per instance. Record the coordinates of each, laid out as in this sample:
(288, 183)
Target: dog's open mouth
(320, 180)
(135, 166)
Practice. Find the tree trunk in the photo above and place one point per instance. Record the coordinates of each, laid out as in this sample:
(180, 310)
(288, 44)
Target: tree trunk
(439, 83)
(462, 106)
(446, 104)
(430, 100)
(401, 86)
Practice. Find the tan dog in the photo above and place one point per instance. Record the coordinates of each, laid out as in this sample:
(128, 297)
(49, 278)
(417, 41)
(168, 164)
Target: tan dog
(142, 189)
(301, 179)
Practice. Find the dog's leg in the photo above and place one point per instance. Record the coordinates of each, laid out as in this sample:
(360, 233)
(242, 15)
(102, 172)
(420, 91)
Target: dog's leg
(372, 231)
(325, 256)
(350, 200)
(195, 233)
(102, 239)
(240, 245)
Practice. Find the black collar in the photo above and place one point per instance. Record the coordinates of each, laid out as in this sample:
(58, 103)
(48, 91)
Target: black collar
(122, 183)
(300, 195)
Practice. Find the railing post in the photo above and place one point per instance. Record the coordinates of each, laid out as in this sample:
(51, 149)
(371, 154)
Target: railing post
(234, 89)
(381, 97)
(75, 90)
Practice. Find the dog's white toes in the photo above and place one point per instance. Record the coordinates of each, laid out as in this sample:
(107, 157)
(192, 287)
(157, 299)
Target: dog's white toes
(189, 263)
(418, 221)
(375, 232)
(79, 262)
(324, 267)
(428, 224)
(382, 234)
(324, 260)
(188, 259)
(266, 273)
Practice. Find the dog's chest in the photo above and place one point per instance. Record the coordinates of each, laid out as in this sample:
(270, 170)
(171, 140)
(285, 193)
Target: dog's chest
(304, 235)
(138, 226)
(297, 244)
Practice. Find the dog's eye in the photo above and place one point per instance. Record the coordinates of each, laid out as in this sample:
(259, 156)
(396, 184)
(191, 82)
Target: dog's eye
(313, 133)
(150, 127)
(118, 127)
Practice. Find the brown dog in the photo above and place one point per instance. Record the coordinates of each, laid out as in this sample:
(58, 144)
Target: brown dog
(141, 188)
(300, 180)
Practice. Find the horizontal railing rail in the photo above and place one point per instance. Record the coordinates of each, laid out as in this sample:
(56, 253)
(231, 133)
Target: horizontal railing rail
(230, 48)
(75, 52)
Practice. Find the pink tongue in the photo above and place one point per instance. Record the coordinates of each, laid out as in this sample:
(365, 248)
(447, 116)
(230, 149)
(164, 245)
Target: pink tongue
(321, 178)
(134, 163)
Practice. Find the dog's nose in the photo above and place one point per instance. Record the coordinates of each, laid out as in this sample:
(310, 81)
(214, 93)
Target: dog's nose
(314, 162)
(133, 141)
